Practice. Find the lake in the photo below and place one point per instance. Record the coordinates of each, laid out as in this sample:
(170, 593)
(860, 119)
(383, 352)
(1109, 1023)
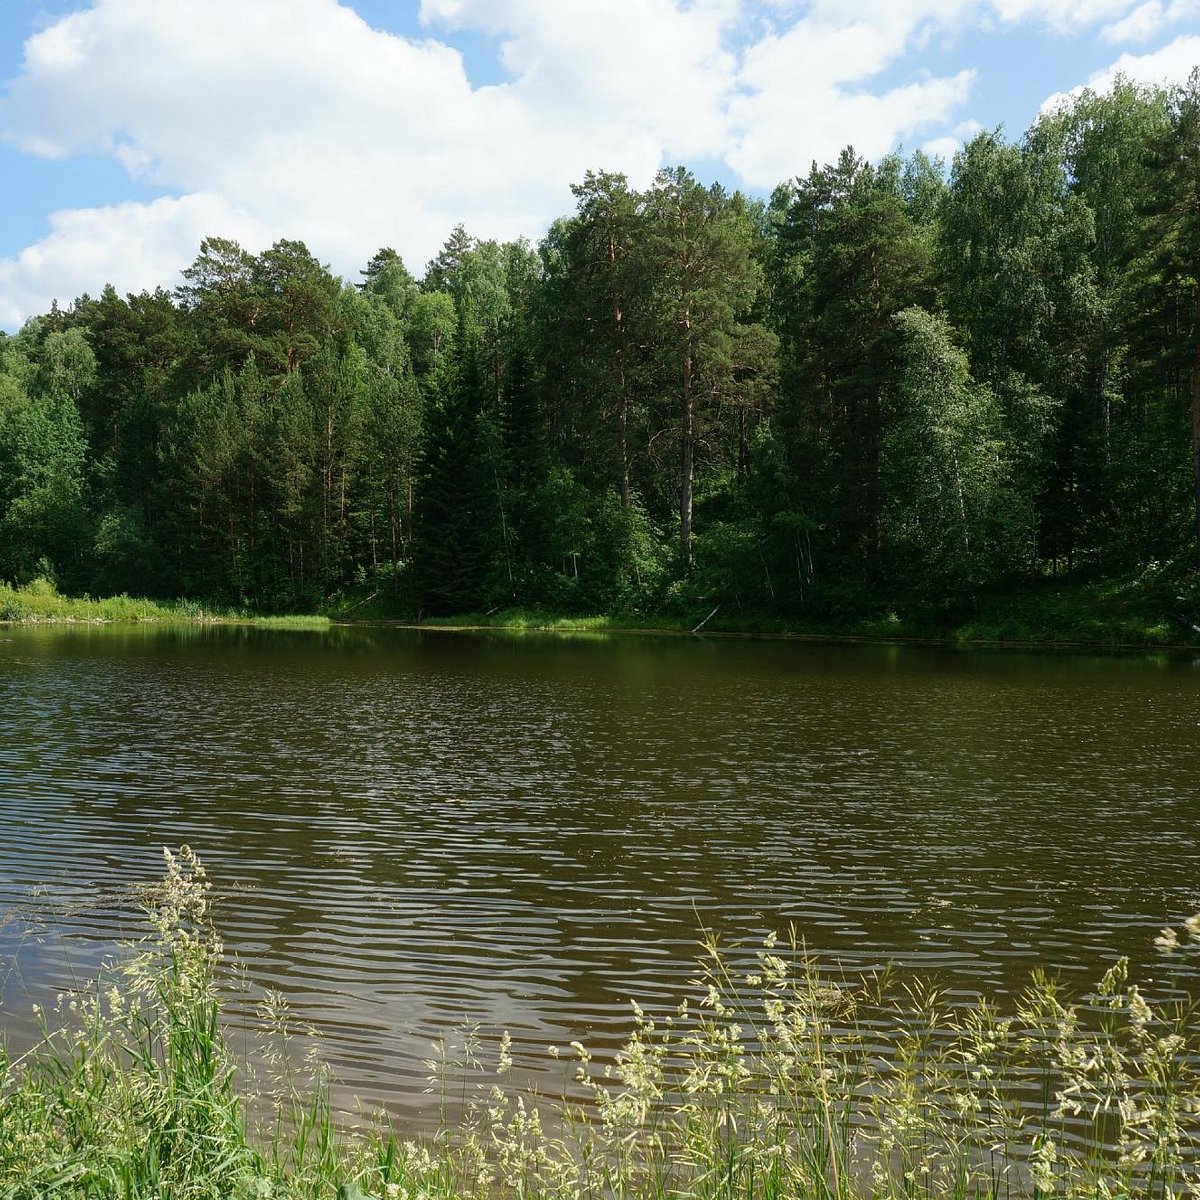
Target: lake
(408, 831)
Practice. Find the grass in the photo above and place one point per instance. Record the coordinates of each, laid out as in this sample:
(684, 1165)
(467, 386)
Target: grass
(773, 1081)
(40, 602)
(1137, 611)
(1153, 610)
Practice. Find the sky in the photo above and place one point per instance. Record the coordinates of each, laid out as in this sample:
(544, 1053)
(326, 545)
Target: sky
(132, 129)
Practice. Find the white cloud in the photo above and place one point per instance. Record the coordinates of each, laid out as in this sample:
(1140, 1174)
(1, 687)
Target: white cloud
(298, 112)
(947, 147)
(1062, 16)
(294, 118)
(899, 20)
(582, 61)
(1171, 64)
(1149, 19)
(135, 246)
(806, 92)
(944, 148)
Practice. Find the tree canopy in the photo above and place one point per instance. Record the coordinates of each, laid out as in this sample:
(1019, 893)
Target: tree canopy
(896, 384)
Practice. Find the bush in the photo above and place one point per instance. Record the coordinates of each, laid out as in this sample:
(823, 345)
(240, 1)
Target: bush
(13, 608)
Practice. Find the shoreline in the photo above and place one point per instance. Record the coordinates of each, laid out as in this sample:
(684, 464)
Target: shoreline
(816, 637)
(558, 627)
(1106, 618)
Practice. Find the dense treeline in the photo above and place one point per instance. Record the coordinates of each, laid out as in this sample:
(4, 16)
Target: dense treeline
(891, 385)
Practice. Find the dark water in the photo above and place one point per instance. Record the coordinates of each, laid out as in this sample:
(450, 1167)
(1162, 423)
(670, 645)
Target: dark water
(409, 831)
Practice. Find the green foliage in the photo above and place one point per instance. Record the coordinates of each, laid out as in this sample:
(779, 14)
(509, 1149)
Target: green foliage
(456, 520)
(887, 391)
(699, 247)
(40, 601)
(43, 513)
(945, 477)
(850, 253)
(124, 553)
(595, 551)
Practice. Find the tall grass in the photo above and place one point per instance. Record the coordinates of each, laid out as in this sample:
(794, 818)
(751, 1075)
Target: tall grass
(1111, 615)
(40, 601)
(772, 1081)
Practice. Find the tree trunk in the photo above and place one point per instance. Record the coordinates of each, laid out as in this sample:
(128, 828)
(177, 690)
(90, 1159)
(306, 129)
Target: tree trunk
(966, 532)
(688, 456)
(1196, 427)
(619, 357)
(622, 423)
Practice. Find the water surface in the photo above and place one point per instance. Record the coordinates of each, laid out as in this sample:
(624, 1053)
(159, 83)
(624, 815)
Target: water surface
(412, 830)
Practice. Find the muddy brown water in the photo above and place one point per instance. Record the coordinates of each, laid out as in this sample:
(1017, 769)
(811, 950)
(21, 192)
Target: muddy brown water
(409, 831)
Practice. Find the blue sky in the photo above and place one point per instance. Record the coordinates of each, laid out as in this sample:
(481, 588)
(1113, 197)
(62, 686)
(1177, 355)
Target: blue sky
(130, 129)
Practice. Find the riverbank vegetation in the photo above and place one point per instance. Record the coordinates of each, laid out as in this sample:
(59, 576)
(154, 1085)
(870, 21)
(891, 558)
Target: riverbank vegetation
(775, 1080)
(40, 602)
(1101, 614)
(896, 392)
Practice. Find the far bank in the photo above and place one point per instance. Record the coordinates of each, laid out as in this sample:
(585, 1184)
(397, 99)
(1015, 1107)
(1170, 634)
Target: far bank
(1122, 614)
(1111, 615)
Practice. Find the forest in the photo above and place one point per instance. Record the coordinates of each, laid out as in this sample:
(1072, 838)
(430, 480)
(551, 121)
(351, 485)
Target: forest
(896, 385)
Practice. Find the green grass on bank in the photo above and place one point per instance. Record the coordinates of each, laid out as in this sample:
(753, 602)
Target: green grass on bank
(1142, 612)
(41, 602)
(771, 1081)
(1148, 611)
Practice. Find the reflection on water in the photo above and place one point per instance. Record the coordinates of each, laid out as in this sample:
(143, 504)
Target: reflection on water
(409, 831)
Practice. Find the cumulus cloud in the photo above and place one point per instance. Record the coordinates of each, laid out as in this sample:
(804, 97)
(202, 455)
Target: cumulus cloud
(296, 111)
(1171, 64)
(84, 247)
(944, 148)
(295, 118)
(804, 98)
(307, 122)
(782, 99)
(580, 61)
(1150, 19)
(1062, 15)
(293, 109)
(948, 146)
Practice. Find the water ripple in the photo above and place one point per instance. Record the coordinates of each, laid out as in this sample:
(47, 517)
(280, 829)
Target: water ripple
(413, 831)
